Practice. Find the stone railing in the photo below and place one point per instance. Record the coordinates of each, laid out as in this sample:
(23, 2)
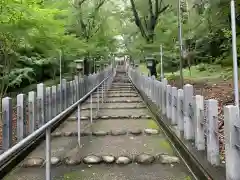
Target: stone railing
(34, 109)
(196, 120)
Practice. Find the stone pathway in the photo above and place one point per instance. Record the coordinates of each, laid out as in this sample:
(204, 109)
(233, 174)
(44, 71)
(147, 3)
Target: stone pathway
(123, 143)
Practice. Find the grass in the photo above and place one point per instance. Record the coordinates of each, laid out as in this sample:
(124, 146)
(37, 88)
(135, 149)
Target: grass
(211, 72)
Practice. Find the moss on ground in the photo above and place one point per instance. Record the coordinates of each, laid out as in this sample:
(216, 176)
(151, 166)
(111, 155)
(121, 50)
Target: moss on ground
(187, 178)
(152, 124)
(72, 175)
(165, 145)
(162, 142)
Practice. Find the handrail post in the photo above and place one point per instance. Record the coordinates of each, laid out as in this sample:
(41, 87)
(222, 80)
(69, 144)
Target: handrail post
(79, 124)
(48, 153)
(102, 91)
(98, 99)
(91, 108)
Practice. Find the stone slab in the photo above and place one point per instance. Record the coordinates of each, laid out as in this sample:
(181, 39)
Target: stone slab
(117, 99)
(125, 112)
(115, 105)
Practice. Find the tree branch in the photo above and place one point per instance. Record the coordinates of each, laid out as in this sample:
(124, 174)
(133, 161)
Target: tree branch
(99, 5)
(150, 8)
(137, 19)
(96, 30)
(156, 7)
(93, 17)
(163, 9)
(145, 21)
(81, 2)
(78, 4)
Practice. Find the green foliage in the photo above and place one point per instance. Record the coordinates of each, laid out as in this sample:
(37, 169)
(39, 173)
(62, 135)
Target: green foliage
(206, 34)
(32, 35)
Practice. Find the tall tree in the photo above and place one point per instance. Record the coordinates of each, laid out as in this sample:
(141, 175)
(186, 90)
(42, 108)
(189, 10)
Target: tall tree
(146, 22)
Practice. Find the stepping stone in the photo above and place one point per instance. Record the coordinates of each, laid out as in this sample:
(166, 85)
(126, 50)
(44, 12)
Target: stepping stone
(104, 117)
(123, 160)
(135, 117)
(100, 133)
(72, 118)
(86, 133)
(57, 134)
(68, 134)
(118, 132)
(167, 159)
(108, 159)
(123, 117)
(135, 132)
(151, 131)
(72, 161)
(84, 118)
(74, 133)
(73, 157)
(55, 160)
(115, 117)
(92, 159)
(33, 162)
(144, 158)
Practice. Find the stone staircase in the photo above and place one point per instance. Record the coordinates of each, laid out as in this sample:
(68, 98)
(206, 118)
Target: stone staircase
(122, 143)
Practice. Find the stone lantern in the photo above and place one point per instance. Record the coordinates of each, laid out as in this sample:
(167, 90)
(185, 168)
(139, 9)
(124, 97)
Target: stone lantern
(80, 68)
(97, 67)
(151, 65)
(132, 63)
(149, 61)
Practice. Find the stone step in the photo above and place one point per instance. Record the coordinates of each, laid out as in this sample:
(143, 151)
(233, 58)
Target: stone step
(120, 88)
(102, 108)
(115, 105)
(117, 92)
(102, 133)
(117, 95)
(123, 91)
(73, 118)
(119, 100)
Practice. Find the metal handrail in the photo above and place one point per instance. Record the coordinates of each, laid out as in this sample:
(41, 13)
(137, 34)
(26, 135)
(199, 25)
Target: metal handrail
(7, 155)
